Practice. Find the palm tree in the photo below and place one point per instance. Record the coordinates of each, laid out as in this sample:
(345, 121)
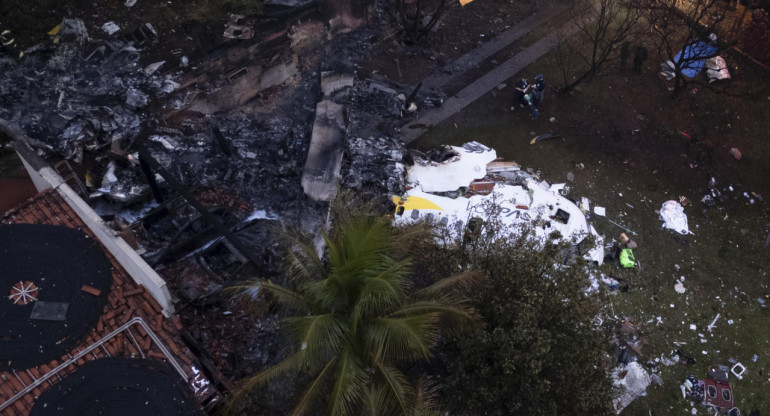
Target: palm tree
(353, 317)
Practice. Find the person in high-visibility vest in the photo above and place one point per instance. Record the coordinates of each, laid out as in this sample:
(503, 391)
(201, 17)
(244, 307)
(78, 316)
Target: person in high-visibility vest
(627, 259)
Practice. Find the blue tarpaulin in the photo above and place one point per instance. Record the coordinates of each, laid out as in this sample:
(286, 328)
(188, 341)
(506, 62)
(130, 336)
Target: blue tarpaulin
(695, 55)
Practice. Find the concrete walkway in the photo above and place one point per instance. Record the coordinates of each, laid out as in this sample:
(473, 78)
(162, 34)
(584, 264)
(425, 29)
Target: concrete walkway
(438, 79)
(483, 85)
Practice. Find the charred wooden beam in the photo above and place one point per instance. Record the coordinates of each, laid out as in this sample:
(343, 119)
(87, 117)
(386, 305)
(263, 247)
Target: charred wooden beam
(145, 155)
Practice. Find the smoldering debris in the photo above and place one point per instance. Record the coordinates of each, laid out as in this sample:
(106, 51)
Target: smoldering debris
(81, 94)
(86, 100)
(376, 165)
(379, 105)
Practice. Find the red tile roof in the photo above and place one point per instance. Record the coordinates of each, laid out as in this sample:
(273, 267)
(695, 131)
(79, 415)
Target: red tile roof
(126, 301)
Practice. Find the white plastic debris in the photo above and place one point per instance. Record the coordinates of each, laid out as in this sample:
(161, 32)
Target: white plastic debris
(741, 370)
(716, 69)
(585, 204)
(151, 68)
(110, 27)
(679, 287)
(633, 385)
(130, 3)
(600, 211)
(673, 217)
(711, 325)
(693, 327)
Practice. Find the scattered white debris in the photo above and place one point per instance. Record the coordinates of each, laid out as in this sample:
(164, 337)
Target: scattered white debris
(260, 214)
(585, 204)
(130, 3)
(711, 325)
(151, 68)
(673, 217)
(167, 142)
(110, 27)
(600, 211)
(741, 370)
(693, 327)
(633, 385)
(679, 287)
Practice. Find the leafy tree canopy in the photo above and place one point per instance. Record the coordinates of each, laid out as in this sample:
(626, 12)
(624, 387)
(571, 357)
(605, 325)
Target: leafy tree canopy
(540, 353)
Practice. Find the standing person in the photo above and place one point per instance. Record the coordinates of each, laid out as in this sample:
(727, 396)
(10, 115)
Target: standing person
(640, 55)
(538, 89)
(625, 52)
(531, 101)
(522, 88)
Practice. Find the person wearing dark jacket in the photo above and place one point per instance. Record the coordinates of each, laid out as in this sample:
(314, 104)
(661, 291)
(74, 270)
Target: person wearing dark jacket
(521, 88)
(538, 89)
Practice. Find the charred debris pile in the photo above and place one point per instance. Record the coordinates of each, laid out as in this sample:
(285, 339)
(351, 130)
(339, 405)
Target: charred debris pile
(194, 161)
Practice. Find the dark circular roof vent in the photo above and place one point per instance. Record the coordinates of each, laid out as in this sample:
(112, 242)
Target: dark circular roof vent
(45, 312)
(119, 387)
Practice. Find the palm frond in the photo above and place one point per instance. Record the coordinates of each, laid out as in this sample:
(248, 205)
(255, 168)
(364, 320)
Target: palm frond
(377, 402)
(277, 295)
(397, 387)
(320, 335)
(359, 244)
(385, 290)
(301, 261)
(426, 398)
(408, 241)
(456, 313)
(349, 388)
(293, 363)
(402, 338)
(314, 390)
(460, 283)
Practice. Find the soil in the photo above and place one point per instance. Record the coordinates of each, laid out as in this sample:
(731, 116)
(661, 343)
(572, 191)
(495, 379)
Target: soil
(460, 29)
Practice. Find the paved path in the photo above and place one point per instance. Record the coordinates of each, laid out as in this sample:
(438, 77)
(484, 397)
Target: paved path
(483, 85)
(438, 79)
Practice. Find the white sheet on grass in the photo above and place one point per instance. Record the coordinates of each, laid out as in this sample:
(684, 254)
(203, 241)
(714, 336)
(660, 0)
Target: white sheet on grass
(674, 218)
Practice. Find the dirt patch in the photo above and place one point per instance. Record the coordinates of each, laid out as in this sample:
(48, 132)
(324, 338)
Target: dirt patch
(461, 29)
